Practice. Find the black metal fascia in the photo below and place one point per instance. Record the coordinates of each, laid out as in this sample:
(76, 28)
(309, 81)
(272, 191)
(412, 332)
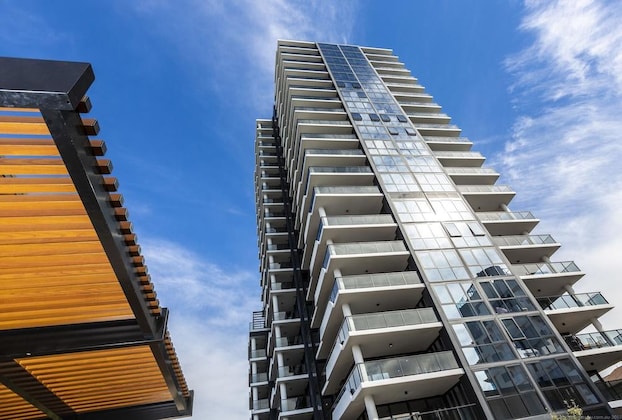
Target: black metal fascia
(44, 84)
(166, 367)
(156, 411)
(21, 382)
(62, 339)
(75, 150)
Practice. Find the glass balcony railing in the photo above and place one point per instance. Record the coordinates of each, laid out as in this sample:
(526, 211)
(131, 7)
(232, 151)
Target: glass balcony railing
(594, 340)
(318, 109)
(519, 240)
(545, 268)
(326, 122)
(426, 125)
(258, 377)
(568, 301)
(347, 152)
(397, 367)
(261, 404)
(345, 190)
(374, 280)
(484, 188)
(505, 215)
(282, 286)
(357, 248)
(281, 265)
(354, 220)
(280, 316)
(471, 171)
(377, 320)
(255, 354)
(287, 341)
(295, 403)
(336, 170)
(287, 371)
(327, 136)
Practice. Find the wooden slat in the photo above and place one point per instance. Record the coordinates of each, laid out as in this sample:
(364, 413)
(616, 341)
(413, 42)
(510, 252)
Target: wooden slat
(32, 166)
(53, 260)
(23, 125)
(56, 249)
(43, 236)
(15, 185)
(55, 271)
(17, 224)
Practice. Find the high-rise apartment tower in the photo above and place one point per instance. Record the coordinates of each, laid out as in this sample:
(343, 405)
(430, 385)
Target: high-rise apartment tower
(396, 281)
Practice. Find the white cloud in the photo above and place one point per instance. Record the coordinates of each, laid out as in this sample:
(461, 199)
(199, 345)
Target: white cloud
(236, 40)
(564, 155)
(210, 307)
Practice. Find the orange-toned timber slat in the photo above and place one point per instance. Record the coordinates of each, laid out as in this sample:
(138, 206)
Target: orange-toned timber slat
(36, 126)
(13, 185)
(14, 407)
(102, 379)
(32, 166)
(40, 147)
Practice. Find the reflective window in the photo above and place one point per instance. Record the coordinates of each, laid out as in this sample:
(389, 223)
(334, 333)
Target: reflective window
(506, 296)
(531, 336)
(559, 383)
(426, 235)
(414, 210)
(460, 300)
(442, 265)
(463, 236)
(509, 392)
(448, 209)
(483, 342)
(484, 262)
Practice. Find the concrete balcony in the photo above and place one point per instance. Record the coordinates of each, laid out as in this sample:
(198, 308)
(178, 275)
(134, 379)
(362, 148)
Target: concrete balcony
(365, 293)
(339, 200)
(448, 144)
(397, 379)
(472, 175)
(325, 176)
(572, 313)
(486, 197)
(597, 350)
(460, 159)
(446, 130)
(548, 279)
(354, 228)
(379, 334)
(508, 223)
(526, 248)
(355, 258)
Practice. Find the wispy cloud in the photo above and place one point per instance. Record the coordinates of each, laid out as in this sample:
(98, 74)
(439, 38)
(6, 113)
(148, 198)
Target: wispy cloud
(210, 310)
(236, 40)
(564, 154)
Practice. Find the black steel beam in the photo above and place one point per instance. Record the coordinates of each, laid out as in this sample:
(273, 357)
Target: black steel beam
(142, 412)
(21, 382)
(28, 83)
(75, 150)
(62, 339)
(166, 367)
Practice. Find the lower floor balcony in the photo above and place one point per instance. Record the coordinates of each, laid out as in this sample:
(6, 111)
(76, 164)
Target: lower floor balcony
(572, 313)
(548, 279)
(296, 408)
(397, 379)
(596, 351)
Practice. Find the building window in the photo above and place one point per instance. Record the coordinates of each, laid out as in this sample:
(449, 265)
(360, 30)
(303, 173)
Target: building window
(506, 296)
(531, 336)
(460, 300)
(442, 265)
(509, 392)
(426, 235)
(484, 262)
(483, 342)
(560, 381)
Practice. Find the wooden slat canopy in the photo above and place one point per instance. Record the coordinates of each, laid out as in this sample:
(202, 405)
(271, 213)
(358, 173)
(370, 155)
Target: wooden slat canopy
(81, 330)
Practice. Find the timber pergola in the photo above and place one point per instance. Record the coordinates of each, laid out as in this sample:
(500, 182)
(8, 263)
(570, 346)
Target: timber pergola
(82, 335)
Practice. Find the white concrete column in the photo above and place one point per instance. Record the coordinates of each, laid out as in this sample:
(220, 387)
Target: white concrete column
(253, 344)
(283, 389)
(596, 323)
(357, 354)
(321, 212)
(568, 288)
(345, 308)
(370, 407)
(275, 304)
(505, 208)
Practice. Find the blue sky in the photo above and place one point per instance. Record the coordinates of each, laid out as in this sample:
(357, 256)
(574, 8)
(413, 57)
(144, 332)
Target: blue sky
(537, 85)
